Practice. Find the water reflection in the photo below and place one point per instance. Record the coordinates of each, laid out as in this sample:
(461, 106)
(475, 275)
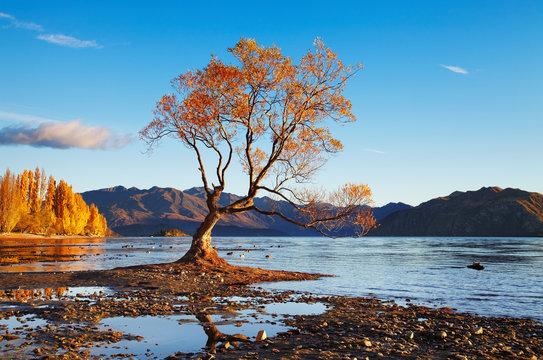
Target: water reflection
(21, 255)
(18, 251)
(24, 295)
(161, 336)
(214, 336)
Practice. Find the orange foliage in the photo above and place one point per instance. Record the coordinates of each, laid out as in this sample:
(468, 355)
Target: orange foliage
(29, 203)
(12, 202)
(274, 115)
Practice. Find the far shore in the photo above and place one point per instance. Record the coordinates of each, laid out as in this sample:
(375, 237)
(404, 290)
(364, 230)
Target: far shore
(21, 236)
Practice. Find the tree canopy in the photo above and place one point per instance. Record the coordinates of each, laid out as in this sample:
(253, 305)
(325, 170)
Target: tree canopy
(273, 116)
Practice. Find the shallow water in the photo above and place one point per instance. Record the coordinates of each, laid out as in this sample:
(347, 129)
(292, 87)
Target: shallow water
(426, 270)
(164, 335)
(156, 337)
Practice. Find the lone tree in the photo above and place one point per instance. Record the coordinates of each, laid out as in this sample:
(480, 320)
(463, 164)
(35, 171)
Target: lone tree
(272, 115)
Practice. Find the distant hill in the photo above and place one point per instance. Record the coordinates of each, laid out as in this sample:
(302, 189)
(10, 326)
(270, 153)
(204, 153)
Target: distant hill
(135, 212)
(489, 211)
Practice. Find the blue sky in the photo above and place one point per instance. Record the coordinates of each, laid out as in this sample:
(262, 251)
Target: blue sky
(450, 98)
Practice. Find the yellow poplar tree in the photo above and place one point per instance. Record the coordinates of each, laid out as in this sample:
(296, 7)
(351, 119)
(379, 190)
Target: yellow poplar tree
(48, 215)
(12, 204)
(31, 203)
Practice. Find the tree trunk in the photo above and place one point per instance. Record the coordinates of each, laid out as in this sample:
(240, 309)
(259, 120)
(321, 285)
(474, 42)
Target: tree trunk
(201, 252)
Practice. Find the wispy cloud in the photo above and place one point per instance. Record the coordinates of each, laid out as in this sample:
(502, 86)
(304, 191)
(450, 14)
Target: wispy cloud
(4, 115)
(456, 69)
(68, 41)
(62, 135)
(21, 24)
(27, 25)
(376, 151)
(58, 39)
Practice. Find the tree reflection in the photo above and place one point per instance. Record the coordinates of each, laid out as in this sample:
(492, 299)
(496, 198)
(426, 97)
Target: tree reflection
(214, 336)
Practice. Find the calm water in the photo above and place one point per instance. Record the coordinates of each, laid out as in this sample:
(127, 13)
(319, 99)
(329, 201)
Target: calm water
(427, 271)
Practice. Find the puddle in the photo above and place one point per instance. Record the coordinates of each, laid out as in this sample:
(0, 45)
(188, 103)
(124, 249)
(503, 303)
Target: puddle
(166, 335)
(161, 336)
(13, 334)
(19, 299)
(295, 308)
(41, 294)
(13, 323)
(87, 292)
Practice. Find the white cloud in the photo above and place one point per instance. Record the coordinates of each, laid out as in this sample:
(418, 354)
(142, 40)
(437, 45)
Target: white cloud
(27, 25)
(376, 151)
(456, 69)
(23, 117)
(21, 24)
(58, 39)
(61, 135)
(69, 41)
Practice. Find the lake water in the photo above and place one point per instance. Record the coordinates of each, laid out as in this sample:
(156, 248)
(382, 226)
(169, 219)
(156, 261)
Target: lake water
(426, 271)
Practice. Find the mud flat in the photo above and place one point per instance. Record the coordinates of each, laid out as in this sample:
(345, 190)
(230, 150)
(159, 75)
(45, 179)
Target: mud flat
(114, 314)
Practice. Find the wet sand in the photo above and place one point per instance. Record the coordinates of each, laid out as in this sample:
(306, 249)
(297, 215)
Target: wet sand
(351, 327)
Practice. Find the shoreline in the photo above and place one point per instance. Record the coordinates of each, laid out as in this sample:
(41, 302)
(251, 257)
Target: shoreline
(25, 236)
(351, 327)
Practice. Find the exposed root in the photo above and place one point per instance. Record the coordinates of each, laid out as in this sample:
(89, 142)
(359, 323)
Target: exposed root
(208, 258)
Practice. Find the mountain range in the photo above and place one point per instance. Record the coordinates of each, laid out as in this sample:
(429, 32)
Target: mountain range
(489, 211)
(135, 212)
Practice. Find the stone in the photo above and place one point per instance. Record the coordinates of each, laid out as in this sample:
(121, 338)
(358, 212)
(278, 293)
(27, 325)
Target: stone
(478, 330)
(367, 342)
(261, 335)
(476, 266)
(443, 334)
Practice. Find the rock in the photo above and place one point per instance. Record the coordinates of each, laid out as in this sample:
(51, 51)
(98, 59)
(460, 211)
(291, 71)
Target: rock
(478, 330)
(443, 334)
(261, 335)
(268, 256)
(410, 335)
(476, 266)
(367, 342)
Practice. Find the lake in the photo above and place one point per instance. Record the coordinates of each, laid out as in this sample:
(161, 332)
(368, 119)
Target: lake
(421, 270)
